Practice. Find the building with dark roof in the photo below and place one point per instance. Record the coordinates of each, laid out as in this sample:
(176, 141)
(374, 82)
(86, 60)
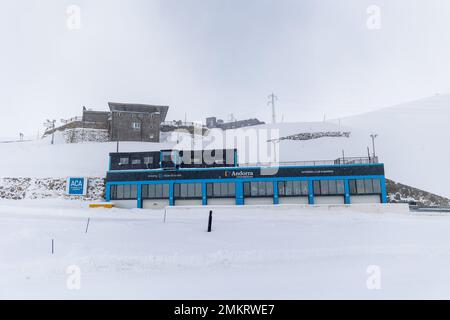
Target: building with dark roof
(124, 122)
(135, 122)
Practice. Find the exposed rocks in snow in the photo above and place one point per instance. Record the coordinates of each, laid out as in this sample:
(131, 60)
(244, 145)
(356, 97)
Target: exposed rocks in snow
(78, 135)
(314, 135)
(398, 192)
(33, 188)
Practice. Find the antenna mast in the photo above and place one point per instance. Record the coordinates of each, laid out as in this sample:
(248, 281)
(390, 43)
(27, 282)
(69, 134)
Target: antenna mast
(271, 102)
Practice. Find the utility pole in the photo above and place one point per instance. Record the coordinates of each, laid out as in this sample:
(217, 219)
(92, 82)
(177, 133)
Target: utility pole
(50, 125)
(373, 136)
(271, 102)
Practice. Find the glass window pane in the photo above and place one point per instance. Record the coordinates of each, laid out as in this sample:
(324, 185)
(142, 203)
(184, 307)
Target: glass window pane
(254, 189)
(216, 190)
(262, 188)
(281, 190)
(296, 188)
(133, 191)
(183, 190)
(269, 188)
(158, 191)
(332, 185)
(209, 189)
(340, 188)
(317, 187)
(352, 186)
(165, 191)
(176, 190)
(120, 192)
(198, 190)
(324, 189)
(150, 191)
(148, 160)
(231, 189)
(126, 191)
(376, 186)
(289, 188)
(368, 185)
(247, 192)
(304, 186)
(191, 190)
(360, 186)
(223, 189)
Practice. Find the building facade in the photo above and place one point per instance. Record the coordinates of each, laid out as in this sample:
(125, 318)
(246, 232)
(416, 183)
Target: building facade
(156, 179)
(124, 122)
(136, 122)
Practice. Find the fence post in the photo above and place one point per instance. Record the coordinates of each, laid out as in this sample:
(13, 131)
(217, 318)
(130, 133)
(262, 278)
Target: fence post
(210, 221)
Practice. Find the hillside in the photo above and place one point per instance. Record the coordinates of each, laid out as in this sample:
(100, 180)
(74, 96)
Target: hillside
(413, 141)
(400, 193)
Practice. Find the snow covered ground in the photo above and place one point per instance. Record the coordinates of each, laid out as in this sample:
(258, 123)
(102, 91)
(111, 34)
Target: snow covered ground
(251, 253)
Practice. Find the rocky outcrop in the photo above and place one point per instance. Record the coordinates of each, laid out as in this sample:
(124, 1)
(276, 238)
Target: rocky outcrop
(401, 193)
(314, 135)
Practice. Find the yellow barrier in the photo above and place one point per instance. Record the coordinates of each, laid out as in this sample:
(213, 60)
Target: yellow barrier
(101, 205)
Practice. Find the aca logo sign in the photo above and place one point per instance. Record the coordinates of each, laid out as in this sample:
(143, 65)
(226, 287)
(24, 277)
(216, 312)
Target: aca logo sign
(76, 186)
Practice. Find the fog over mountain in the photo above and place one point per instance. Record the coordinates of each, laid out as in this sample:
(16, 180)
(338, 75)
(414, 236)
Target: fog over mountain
(218, 57)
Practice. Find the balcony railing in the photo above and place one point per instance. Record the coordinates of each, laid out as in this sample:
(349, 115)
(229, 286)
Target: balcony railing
(312, 163)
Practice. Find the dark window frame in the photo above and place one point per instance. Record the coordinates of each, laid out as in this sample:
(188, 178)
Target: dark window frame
(179, 189)
(225, 190)
(126, 192)
(329, 187)
(361, 190)
(253, 189)
(151, 192)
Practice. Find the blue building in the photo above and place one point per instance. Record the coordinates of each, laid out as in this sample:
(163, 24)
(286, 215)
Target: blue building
(214, 177)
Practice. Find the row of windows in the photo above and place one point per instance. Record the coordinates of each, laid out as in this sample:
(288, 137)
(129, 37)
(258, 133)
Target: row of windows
(221, 190)
(127, 160)
(364, 186)
(251, 189)
(187, 190)
(136, 115)
(155, 191)
(292, 188)
(258, 189)
(124, 192)
(329, 187)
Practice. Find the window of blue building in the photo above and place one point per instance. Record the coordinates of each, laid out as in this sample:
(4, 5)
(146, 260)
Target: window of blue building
(187, 190)
(329, 187)
(155, 191)
(124, 192)
(364, 186)
(292, 188)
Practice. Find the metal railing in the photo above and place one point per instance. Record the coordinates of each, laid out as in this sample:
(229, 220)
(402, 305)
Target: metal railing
(312, 163)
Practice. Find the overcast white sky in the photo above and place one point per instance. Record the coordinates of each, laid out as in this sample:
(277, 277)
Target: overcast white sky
(216, 57)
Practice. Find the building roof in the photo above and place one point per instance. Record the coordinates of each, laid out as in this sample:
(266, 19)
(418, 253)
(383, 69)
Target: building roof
(142, 108)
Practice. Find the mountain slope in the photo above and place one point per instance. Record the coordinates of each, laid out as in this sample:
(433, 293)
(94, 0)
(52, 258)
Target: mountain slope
(413, 141)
